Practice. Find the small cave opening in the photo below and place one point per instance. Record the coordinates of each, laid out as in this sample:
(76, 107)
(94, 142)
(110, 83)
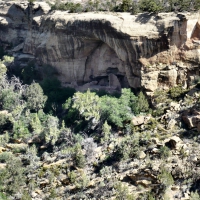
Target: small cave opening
(163, 79)
(196, 32)
(112, 70)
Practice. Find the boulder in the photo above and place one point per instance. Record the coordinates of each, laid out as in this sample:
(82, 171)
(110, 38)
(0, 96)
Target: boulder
(150, 81)
(114, 82)
(174, 106)
(20, 146)
(141, 155)
(3, 112)
(2, 149)
(173, 142)
(43, 183)
(54, 164)
(192, 119)
(139, 120)
(171, 124)
(144, 183)
(33, 194)
(2, 165)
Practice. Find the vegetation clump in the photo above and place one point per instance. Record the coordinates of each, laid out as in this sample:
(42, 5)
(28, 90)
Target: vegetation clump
(177, 92)
(150, 6)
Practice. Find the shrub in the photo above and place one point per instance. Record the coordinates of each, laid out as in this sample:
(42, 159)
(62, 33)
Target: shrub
(128, 148)
(106, 132)
(3, 196)
(4, 138)
(118, 110)
(72, 176)
(7, 60)
(35, 97)
(125, 6)
(5, 156)
(106, 171)
(196, 5)
(26, 196)
(35, 124)
(165, 177)
(69, 6)
(29, 73)
(164, 152)
(111, 111)
(154, 6)
(9, 99)
(160, 96)
(53, 194)
(82, 181)
(183, 5)
(51, 131)
(3, 69)
(158, 112)
(177, 92)
(12, 178)
(122, 192)
(83, 113)
(31, 155)
(79, 158)
(135, 8)
(194, 196)
(141, 104)
(88, 105)
(150, 197)
(20, 128)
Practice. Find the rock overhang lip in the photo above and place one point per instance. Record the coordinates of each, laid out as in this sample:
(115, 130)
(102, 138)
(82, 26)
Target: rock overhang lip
(130, 27)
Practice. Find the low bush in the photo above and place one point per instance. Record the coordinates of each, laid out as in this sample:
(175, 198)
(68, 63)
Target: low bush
(122, 192)
(78, 157)
(165, 177)
(177, 92)
(69, 6)
(164, 152)
(5, 156)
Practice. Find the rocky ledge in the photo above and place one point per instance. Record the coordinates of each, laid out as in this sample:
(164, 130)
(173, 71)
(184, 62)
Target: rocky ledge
(104, 50)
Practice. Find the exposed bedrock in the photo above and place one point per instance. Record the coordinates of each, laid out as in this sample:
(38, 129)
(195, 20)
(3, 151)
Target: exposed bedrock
(104, 50)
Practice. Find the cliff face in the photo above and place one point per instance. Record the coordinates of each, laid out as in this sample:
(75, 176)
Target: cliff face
(104, 50)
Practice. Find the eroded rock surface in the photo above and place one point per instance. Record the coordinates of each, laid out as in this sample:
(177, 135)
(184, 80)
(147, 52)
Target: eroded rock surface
(108, 50)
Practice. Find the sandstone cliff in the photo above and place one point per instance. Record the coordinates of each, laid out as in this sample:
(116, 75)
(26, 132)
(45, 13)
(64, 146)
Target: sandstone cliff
(104, 50)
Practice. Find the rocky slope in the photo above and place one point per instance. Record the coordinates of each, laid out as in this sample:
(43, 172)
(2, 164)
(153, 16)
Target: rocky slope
(157, 158)
(104, 50)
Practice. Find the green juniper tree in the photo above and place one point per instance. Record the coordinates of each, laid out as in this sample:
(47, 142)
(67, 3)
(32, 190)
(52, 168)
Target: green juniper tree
(35, 97)
(134, 9)
(141, 105)
(126, 5)
(153, 6)
(88, 105)
(12, 177)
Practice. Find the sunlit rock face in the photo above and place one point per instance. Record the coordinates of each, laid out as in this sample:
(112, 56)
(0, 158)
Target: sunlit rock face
(104, 50)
